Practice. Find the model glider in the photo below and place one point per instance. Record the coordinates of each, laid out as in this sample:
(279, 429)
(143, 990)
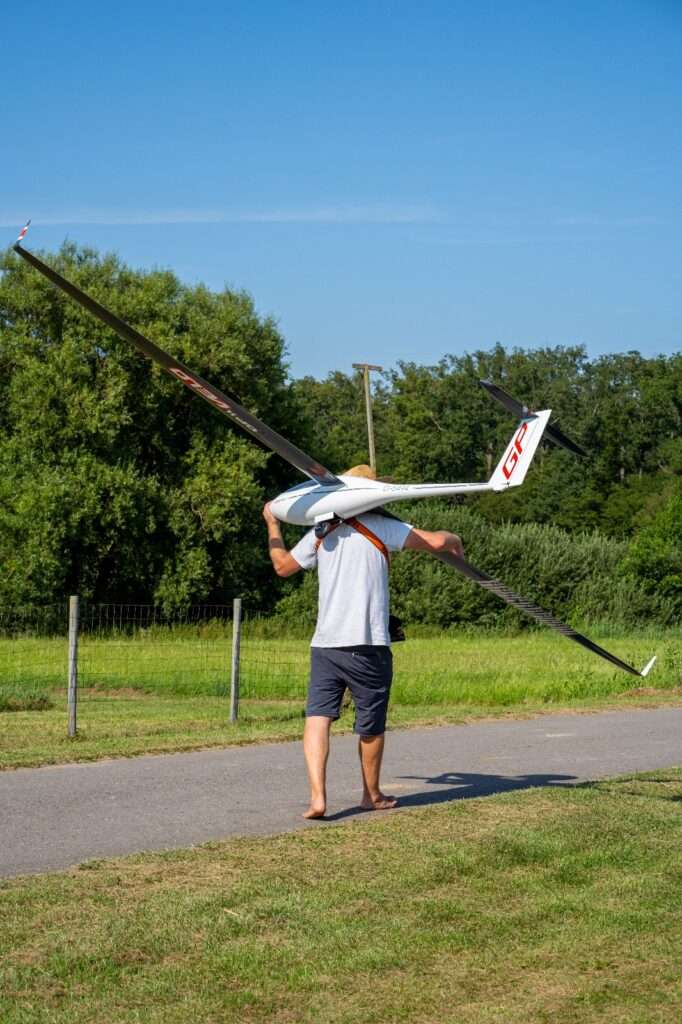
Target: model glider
(326, 496)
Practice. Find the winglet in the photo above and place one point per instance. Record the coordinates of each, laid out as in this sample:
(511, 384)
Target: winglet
(22, 233)
(647, 668)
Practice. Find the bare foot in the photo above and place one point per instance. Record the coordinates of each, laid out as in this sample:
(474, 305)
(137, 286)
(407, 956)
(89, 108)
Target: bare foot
(380, 803)
(316, 810)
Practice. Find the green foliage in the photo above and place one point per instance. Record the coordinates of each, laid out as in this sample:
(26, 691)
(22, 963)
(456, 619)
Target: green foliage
(575, 576)
(115, 482)
(335, 416)
(436, 423)
(654, 558)
(560, 539)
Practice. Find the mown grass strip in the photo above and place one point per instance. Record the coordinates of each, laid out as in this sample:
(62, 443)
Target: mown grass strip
(533, 906)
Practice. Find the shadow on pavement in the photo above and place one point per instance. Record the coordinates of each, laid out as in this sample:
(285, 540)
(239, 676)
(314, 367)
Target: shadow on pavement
(462, 786)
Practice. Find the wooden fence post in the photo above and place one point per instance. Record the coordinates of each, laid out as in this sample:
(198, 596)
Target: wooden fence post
(73, 663)
(236, 644)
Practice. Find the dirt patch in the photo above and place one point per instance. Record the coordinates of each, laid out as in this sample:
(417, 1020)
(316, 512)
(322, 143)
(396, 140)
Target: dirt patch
(651, 691)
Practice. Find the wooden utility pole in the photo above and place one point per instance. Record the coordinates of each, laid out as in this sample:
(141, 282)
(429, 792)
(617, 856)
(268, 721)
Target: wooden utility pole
(73, 664)
(366, 369)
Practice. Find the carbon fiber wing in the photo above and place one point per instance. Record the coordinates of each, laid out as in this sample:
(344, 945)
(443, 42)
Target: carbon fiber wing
(224, 403)
(529, 608)
(510, 597)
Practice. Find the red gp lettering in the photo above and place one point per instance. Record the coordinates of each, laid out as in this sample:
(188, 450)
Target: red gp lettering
(199, 388)
(516, 450)
(181, 375)
(220, 403)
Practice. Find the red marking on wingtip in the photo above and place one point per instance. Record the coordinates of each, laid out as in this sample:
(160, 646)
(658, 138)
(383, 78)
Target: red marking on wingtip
(23, 230)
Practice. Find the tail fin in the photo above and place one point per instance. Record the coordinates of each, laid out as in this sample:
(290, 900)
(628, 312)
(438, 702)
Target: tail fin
(513, 466)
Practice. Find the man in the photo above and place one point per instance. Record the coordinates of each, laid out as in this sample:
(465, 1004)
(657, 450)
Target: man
(350, 647)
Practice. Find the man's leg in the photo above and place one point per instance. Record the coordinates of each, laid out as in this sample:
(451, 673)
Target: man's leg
(371, 750)
(316, 751)
(370, 671)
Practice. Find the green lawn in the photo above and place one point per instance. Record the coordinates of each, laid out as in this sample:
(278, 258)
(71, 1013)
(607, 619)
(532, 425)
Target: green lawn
(161, 692)
(523, 908)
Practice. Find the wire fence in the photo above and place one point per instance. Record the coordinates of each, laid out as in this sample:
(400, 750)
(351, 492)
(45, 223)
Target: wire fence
(33, 651)
(136, 651)
(142, 649)
(129, 651)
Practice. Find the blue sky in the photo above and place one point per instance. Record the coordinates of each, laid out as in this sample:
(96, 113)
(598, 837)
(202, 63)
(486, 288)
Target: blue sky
(389, 180)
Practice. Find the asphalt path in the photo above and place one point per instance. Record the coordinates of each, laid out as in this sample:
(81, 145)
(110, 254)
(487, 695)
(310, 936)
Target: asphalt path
(56, 817)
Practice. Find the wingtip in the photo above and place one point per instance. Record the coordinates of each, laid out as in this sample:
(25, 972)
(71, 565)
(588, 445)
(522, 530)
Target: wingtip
(647, 668)
(22, 233)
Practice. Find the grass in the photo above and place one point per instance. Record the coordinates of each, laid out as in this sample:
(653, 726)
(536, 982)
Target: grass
(24, 698)
(454, 667)
(163, 692)
(531, 907)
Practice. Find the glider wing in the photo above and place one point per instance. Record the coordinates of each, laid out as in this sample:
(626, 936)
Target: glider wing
(522, 604)
(224, 403)
(510, 597)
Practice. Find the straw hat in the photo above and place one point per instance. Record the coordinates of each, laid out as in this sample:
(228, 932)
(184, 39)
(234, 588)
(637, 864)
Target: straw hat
(363, 470)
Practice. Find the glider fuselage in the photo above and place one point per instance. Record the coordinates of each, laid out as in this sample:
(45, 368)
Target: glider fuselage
(307, 503)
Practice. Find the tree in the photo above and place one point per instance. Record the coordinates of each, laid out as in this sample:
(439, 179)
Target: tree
(116, 482)
(654, 558)
(335, 418)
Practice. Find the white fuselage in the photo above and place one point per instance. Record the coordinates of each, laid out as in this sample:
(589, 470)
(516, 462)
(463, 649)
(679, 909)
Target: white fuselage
(309, 502)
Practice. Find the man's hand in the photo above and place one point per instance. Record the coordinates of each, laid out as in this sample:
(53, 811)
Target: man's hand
(269, 516)
(453, 543)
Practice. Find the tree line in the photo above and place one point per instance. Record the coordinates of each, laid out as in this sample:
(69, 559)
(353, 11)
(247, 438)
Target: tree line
(118, 484)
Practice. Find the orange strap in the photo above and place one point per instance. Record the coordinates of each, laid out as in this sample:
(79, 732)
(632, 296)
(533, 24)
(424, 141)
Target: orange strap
(365, 531)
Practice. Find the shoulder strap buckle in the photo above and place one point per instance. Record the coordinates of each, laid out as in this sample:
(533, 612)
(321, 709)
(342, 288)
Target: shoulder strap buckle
(323, 529)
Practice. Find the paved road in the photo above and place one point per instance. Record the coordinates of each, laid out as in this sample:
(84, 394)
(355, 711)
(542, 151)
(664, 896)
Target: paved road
(55, 817)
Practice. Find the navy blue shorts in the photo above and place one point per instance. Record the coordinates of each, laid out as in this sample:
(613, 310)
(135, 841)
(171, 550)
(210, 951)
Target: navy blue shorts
(367, 671)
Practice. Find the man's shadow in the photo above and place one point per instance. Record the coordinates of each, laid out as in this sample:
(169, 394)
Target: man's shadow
(463, 786)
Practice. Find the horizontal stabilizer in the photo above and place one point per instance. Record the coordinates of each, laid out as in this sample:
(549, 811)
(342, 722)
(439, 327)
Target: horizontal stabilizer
(521, 411)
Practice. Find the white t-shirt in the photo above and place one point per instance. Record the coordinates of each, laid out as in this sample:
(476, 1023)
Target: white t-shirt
(353, 581)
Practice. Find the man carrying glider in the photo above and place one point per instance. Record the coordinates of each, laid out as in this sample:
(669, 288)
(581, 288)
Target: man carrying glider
(353, 569)
(351, 644)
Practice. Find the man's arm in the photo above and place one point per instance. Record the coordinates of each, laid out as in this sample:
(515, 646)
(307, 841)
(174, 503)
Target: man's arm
(284, 563)
(438, 540)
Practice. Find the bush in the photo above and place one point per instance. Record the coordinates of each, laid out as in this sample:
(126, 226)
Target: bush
(654, 558)
(574, 576)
